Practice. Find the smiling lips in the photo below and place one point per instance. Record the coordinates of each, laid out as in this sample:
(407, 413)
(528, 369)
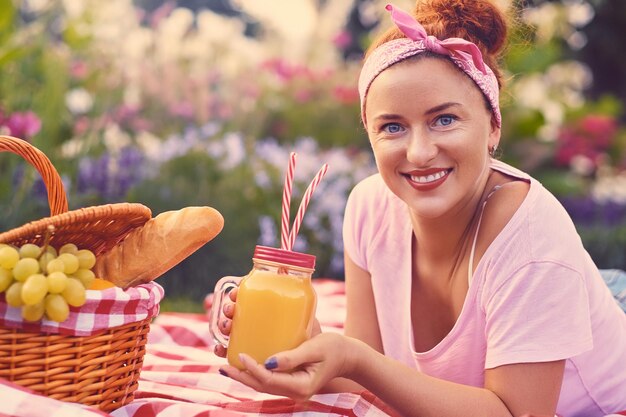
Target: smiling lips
(427, 180)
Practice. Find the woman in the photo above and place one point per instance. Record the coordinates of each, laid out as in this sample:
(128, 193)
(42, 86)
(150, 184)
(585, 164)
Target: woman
(469, 292)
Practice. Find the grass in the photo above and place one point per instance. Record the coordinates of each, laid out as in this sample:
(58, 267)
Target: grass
(181, 305)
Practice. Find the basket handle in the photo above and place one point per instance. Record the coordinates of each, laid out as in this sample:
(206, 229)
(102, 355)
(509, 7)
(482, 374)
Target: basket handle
(57, 199)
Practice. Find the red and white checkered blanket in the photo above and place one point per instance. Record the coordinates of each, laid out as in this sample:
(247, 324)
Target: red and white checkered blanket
(180, 378)
(103, 309)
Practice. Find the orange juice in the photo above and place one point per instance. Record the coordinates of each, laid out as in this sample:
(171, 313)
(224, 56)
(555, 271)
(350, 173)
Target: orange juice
(274, 312)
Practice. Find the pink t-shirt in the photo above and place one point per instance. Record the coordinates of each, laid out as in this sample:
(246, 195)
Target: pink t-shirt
(535, 296)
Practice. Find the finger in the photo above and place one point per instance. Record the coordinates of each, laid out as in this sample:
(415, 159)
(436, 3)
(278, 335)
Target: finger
(297, 385)
(244, 377)
(220, 350)
(233, 294)
(291, 359)
(229, 309)
(225, 326)
(317, 328)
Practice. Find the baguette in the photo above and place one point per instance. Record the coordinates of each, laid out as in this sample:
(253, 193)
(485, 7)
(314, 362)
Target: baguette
(160, 244)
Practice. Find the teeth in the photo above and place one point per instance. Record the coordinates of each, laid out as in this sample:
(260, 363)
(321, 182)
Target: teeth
(428, 178)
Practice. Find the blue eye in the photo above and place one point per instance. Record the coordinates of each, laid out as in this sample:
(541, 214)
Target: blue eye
(392, 128)
(445, 120)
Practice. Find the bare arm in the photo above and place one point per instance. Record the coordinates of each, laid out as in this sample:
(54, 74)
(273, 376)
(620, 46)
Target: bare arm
(361, 320)
(510, 390)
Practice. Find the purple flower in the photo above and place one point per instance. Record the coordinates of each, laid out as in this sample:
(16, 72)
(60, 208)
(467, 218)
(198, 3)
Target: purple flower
(587, 212)
(109, 176)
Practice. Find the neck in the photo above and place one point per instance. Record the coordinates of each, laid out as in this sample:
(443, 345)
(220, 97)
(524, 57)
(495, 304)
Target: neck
(444, 240)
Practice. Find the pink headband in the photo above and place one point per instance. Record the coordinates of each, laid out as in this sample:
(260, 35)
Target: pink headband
(464, 54)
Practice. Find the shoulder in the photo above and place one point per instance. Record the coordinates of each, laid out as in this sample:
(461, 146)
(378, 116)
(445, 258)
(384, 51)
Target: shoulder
(523, 219)
(504, 200)
(373, 216)
(369, 196)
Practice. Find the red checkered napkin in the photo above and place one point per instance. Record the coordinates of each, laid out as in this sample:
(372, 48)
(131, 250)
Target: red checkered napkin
(104, 309)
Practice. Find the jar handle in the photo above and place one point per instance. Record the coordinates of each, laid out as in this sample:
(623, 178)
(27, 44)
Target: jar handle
(222, 288)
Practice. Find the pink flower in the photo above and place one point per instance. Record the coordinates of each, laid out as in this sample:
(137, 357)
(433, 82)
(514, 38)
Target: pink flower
(78, 70)
(599, 127)
(161, 13)
(346, 95)
(342, 39)
(303, 95)
(286, 71)
(22, 125)
(590, 137)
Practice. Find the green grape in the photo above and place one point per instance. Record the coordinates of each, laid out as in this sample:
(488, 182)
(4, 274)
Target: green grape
(6, 279)
(68, 248)
(86, 259)
(33, 312)
(57, 308)
(34, 289)
(24, 268)
(8, 257)
(14, 295)
(46, 257)
(74, 293)
(52, 250)
(55, 265)
(57, 282)
(86, 276)
(30, 250)
(70, 261)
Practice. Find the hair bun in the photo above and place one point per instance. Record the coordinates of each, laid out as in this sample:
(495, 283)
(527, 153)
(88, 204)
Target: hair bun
(478, 21)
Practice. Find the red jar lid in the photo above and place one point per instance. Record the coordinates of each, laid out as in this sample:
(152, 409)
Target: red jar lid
(286, 257)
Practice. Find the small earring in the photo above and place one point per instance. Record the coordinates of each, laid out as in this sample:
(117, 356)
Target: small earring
(492, 150)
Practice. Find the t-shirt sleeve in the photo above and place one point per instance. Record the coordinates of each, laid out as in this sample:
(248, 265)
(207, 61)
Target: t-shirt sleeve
(352, 228)
(539, 314)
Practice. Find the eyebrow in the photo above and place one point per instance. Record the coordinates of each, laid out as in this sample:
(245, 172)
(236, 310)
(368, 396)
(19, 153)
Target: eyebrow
(436, 109)
(443, 106)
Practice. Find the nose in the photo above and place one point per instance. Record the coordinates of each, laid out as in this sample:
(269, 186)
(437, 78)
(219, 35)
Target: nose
(421, 148)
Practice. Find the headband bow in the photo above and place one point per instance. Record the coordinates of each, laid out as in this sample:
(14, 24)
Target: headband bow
(414, 30)
(463, 53)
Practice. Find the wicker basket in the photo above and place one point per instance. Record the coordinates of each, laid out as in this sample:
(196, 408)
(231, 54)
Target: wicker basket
(99, 370)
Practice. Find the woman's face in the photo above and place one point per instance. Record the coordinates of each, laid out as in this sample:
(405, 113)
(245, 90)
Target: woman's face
(430, 131)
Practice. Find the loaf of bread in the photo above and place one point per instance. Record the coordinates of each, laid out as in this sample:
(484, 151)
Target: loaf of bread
(160, 244)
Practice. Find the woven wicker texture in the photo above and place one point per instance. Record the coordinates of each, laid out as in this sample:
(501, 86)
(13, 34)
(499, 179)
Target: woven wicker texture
(100, 370)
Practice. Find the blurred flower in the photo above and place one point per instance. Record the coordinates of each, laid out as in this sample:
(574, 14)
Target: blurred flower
(589, 137)
(78, 70)
(111, 176)
(78, 101)
(610, 188)
(346, 95)
(342, 39)
(587, 211)
(579, 12)
(268, 234)
(23, 125)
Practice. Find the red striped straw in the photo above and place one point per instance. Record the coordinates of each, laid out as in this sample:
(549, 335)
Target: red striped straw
(304, 203)
(284, 235)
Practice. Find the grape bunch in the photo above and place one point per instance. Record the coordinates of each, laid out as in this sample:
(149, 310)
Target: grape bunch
(43, 281)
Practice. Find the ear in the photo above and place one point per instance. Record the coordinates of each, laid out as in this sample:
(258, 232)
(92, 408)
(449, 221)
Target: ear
(494, 135)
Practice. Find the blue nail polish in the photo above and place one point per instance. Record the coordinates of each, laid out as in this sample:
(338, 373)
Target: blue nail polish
(271, 363)
(223, 372)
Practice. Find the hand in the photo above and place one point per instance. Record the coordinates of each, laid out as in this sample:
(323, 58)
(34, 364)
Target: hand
(225, 324)
(297, 373)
